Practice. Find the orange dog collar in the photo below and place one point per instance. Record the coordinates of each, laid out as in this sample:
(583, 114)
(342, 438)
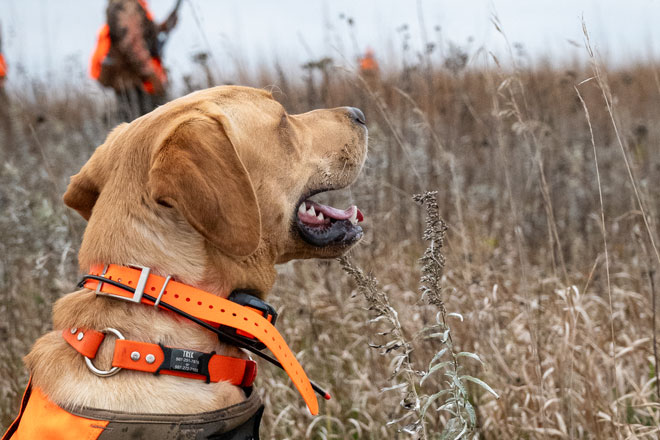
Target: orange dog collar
(155, 358)
(165, 293)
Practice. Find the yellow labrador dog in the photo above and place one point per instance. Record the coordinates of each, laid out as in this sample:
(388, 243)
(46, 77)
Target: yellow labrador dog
(213, 189)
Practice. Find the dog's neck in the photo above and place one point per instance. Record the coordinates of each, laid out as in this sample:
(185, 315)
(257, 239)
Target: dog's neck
(136, 322)
(166, 243)
(163, 241)
(168, 246)
(163, 244)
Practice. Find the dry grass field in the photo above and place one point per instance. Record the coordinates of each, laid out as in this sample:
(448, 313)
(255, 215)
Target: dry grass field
(548, 178)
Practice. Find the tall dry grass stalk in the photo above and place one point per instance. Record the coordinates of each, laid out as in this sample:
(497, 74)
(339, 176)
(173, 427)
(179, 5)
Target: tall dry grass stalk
(604, 232)
(452, 396)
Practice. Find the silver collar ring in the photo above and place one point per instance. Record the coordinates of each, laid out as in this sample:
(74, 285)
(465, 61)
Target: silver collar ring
(112, 371)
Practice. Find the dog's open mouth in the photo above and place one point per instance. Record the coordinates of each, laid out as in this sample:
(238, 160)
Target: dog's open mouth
(322, 225)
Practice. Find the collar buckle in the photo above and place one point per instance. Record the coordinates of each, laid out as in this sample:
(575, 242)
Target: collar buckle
(139, 288)
(142, 282)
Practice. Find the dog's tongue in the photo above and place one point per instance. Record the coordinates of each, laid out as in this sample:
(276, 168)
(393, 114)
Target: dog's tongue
(338, 214)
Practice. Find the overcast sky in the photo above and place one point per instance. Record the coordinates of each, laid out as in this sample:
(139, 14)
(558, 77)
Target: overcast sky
(54, 38)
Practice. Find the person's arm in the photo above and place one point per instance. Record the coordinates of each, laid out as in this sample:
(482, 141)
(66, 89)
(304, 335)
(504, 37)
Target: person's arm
(171, 20)
(169, 24)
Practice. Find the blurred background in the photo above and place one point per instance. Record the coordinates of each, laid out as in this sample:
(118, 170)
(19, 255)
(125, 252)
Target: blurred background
(55, 39)
(536, 123)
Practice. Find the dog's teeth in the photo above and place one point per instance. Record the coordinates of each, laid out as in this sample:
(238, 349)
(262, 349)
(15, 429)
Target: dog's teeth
(353, 217)
(320, 216)
(302, 209)
(311, 211)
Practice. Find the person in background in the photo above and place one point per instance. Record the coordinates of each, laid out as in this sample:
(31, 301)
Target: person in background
(128, 56)
(3, 70)
(368, 63)
(6, 131)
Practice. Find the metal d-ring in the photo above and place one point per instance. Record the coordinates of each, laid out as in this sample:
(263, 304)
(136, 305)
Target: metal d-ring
(100, 283)
(112, 371)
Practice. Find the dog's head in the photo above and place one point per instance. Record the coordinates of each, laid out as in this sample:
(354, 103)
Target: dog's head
(214, 187)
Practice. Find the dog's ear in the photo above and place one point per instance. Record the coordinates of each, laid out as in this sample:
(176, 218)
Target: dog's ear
(85, 187)
(196, 169)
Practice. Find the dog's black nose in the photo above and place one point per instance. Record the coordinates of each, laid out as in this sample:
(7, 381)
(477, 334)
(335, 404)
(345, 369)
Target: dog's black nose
(357, 115)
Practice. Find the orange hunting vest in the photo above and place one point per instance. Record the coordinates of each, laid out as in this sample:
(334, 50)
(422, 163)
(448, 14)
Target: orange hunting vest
(368, 63)
(3, 67)
(103, 44)
(42, 419)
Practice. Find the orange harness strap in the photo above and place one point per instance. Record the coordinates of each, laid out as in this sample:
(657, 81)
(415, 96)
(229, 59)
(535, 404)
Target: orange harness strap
(204, 306)
(100, 52)
(156, 63)
(3, 66)
(154, 358)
